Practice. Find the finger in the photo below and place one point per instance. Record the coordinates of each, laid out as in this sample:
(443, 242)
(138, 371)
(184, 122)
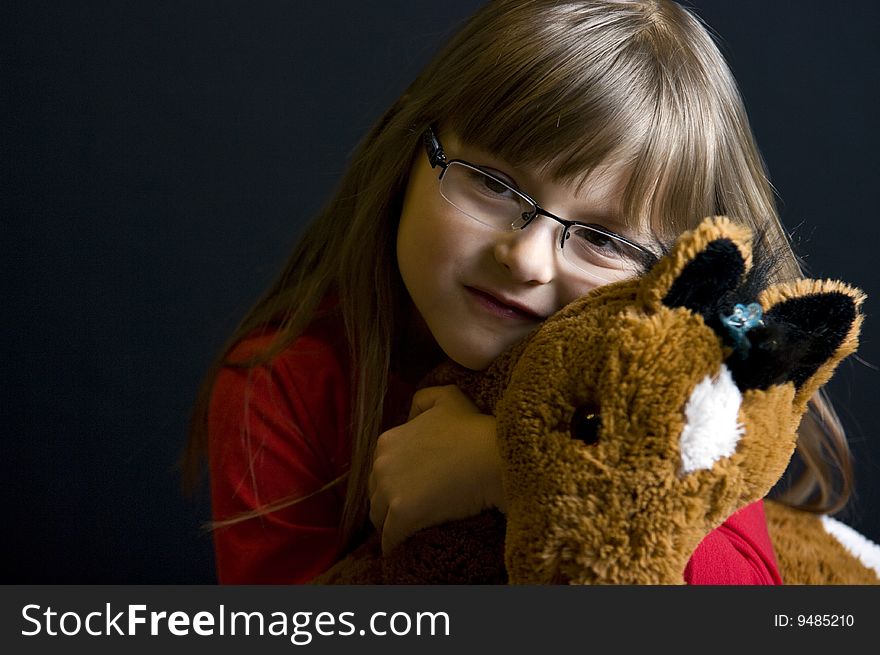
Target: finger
(378, 511)
(381, 446)
(390, 538)
(378, 502)
(425, 399)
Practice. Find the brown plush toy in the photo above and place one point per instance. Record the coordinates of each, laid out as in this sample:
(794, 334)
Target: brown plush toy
(636, 420)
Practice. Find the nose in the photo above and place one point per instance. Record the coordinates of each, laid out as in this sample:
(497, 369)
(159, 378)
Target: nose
(530, 255)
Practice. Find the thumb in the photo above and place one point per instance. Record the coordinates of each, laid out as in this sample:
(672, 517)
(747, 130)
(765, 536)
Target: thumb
(390, 538)
(425, 399)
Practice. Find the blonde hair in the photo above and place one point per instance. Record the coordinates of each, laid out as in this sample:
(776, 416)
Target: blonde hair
(560, 85)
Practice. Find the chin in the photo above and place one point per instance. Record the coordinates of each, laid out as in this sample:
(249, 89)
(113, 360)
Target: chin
(474, 349)
(472, 364)
(469, 358)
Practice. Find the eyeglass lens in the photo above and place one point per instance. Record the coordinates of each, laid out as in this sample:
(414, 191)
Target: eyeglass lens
(495, 204)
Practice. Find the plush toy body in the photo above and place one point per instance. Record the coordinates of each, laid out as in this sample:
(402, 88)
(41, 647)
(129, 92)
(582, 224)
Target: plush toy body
(636, 420)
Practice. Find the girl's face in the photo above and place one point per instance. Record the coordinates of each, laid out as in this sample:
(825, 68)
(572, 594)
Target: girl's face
(478, 289)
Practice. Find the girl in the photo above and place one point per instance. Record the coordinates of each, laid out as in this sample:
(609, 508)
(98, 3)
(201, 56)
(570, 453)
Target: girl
(537, 157)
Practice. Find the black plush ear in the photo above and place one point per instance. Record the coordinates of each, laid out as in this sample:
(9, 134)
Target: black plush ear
(702, 266)
(809, 326)
(713, 272)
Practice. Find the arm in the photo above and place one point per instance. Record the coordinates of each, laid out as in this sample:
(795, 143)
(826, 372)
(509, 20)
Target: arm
(738, 552)
(281, 436)
(441, 465)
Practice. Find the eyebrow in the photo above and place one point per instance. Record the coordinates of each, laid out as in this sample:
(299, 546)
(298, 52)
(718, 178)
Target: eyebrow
(610, 219)
(613, 222)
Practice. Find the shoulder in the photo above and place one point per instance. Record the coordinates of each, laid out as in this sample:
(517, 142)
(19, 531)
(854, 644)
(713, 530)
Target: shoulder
(317, 357)
(296, 403)
(738, 552)
(321, 345)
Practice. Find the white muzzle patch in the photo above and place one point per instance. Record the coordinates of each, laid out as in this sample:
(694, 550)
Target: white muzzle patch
(712, 429)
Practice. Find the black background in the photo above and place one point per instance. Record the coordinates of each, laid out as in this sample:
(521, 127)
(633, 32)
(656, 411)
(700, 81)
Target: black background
(159, 160)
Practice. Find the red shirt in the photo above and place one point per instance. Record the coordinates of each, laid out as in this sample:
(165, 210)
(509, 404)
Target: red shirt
(297, 413)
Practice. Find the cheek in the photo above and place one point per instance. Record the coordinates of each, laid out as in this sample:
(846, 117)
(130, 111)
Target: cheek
(572, 289)
(422, 252)
(433, 243)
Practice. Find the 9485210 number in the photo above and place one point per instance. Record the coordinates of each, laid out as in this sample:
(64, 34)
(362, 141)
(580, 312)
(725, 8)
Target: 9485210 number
(814, 620)
(826, 620)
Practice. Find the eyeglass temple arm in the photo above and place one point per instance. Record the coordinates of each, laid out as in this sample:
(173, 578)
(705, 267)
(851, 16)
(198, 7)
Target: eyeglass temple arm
(436, 156)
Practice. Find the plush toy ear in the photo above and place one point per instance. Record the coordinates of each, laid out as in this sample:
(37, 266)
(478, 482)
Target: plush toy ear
(809, 326)
(703, 265)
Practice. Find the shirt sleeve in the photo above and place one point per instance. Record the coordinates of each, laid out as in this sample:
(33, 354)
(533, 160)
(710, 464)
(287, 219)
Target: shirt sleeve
(281, 433)
(278, 434)
(738, 552)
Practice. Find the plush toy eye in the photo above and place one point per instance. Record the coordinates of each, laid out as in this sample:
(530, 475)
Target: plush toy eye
(585, 424)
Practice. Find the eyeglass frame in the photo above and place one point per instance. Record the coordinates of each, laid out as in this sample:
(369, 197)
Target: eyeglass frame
(437, 157)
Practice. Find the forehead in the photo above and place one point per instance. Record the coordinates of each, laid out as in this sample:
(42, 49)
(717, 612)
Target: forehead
(593, 195)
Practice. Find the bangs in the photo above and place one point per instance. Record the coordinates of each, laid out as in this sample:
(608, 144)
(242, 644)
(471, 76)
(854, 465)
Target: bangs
(549, 111)
(584, 87)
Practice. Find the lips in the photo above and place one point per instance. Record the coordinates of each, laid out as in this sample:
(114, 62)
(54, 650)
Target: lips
(497, 304)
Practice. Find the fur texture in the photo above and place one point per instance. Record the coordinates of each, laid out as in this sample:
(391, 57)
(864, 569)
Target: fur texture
(679, 443)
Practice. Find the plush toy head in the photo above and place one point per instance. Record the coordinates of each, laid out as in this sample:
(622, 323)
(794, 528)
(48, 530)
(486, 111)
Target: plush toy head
(643, 415)
(636, 420)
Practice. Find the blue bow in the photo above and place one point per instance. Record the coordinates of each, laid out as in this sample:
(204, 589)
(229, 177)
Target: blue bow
(743, 319)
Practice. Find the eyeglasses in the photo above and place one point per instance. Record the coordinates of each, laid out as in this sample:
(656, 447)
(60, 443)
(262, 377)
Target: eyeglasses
(493, 202)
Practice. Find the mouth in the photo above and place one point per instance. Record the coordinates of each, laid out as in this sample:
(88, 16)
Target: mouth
(502, 307)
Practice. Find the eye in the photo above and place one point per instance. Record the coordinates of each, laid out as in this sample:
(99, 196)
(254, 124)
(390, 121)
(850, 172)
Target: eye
(585, 424)
(596, 238)
(592, 238)
(494, 185)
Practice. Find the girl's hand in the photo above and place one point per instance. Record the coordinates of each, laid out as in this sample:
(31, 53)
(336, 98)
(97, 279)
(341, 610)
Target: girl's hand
(441, 465)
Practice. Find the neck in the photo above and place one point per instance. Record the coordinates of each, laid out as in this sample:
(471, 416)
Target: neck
(416, 352)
